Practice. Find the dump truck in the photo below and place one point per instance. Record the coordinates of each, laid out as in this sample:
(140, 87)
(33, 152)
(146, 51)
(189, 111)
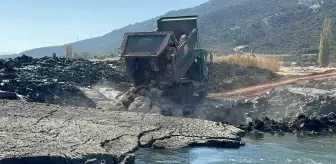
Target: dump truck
(169, 57)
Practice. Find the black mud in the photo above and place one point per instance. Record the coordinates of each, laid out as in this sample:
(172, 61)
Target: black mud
(56, 80)
(324, 124)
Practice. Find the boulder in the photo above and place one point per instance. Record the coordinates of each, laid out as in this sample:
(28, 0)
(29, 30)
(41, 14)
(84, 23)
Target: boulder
(155, 110)
(145, 93)
(155, 92)
(140, 104)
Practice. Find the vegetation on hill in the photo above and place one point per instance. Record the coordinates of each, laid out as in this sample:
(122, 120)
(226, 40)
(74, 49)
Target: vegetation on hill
(324, 48)
(268, 26)
(269, 62)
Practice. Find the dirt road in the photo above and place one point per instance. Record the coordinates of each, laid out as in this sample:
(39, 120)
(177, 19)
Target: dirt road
(258, 89)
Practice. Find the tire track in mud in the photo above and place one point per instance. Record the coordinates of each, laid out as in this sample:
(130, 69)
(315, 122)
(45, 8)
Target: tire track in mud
(258, 89)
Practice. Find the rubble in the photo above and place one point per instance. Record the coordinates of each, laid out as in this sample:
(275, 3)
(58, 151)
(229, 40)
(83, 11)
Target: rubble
(324, 124)
(148, 99)
(56, 80)
(286, 104)
(305, 107)
(140, 104)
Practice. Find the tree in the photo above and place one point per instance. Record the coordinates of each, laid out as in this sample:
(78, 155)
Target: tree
(325, 43)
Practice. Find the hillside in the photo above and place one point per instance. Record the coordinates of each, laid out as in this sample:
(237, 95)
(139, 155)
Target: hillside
(272, 26)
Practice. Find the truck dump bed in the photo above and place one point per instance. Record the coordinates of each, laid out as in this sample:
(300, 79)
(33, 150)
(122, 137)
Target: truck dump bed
(179, 25)
(144, 44)
(172, 44)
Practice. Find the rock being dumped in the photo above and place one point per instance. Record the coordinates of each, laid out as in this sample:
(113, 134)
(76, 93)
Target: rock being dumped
(148, 99)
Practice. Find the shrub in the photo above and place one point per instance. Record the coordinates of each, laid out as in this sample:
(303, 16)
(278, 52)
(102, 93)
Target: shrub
(269, 62)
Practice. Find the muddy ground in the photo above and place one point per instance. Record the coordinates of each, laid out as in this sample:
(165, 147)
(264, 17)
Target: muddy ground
(102, 84)
(112, 119)
(41, 133)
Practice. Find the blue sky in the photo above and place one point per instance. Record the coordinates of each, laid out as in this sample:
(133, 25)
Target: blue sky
(27, 24)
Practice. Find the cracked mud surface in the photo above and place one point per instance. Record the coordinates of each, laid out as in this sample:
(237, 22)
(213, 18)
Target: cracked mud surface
(40, 133)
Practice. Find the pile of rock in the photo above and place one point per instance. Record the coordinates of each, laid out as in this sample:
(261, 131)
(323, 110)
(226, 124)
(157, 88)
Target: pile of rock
(148, 99)
(287, 103)
(226, 76)
(229, 110)
(56, 79)
(302, 123)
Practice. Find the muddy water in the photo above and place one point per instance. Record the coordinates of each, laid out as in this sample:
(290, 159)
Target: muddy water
(269, 149)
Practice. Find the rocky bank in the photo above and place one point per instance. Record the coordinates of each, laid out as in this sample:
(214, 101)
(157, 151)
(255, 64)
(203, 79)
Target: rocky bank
(306, 107)
(41, 133)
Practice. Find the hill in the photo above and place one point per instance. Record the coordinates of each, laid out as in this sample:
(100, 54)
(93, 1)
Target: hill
(271, 26)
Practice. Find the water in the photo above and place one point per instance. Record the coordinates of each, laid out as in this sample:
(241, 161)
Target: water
(285, 149)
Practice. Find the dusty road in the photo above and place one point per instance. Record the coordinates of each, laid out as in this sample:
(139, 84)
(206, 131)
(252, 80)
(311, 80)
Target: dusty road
(258, 89)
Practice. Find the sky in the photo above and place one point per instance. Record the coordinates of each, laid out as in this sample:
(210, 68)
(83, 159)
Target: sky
(27, 24)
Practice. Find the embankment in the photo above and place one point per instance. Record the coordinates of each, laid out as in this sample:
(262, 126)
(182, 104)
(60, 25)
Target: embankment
(103, 84)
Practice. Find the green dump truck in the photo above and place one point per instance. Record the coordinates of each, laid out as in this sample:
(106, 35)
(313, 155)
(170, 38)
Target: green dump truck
(169, 57)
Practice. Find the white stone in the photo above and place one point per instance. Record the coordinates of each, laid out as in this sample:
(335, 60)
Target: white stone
(156, 93)
(155, 109)
(141, 104)
(145, 93)
(177, 112)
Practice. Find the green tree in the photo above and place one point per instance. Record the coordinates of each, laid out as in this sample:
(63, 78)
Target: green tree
(325, 43)
(100, 55)
(86, 55)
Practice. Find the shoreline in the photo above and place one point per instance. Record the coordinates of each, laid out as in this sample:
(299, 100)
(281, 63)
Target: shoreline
(56, 133)
(61, 133)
